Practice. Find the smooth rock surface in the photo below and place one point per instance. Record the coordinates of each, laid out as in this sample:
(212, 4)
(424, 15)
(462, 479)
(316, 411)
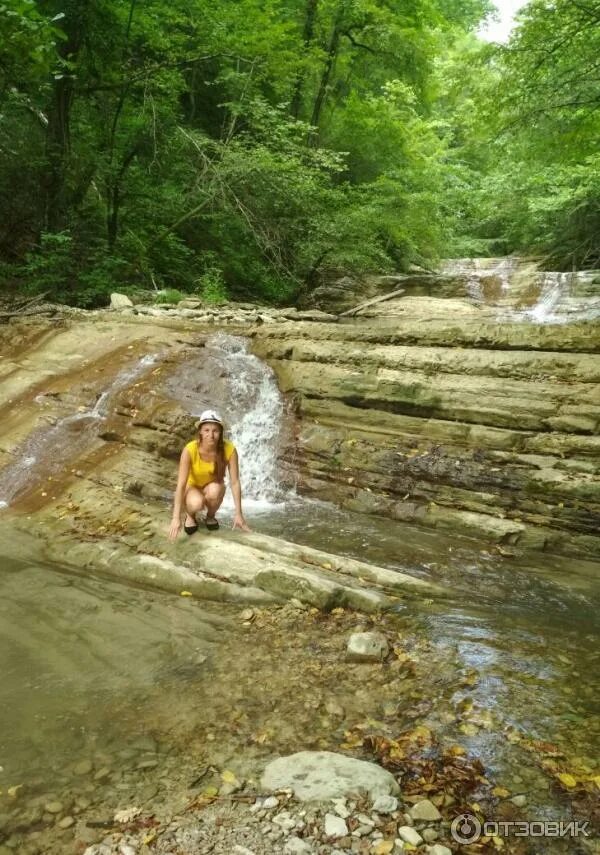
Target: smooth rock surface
(120, 301)
(409, 835)
(335, 826)
(425, 811)
(385, 804)
(321, 775)
(367, 647)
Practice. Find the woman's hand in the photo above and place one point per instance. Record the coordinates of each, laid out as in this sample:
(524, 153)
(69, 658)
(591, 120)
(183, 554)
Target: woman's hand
(175, 528)
(240, 522)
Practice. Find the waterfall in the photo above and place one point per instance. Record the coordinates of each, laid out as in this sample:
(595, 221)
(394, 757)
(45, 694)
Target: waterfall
(520, 292)
(45, 452)
(253, 410)
(554, 286)
(224, 376)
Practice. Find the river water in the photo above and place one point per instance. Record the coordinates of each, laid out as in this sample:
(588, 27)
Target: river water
(109, 693)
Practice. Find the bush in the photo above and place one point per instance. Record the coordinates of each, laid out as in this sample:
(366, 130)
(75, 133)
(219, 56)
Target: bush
(169, 295)
(212, 288)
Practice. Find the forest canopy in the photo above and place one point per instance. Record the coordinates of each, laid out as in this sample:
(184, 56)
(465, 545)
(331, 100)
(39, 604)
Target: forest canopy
(252, 149)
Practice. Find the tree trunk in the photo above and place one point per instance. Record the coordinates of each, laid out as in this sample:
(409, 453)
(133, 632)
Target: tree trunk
(113, 194)
(332, 51)
(55, 195)
(307, 37)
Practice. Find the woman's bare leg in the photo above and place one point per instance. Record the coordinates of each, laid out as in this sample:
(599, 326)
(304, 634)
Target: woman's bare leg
(194, 503)
(213, 496)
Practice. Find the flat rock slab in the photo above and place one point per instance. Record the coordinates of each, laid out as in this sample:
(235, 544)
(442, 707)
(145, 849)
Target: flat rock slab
(321, 775)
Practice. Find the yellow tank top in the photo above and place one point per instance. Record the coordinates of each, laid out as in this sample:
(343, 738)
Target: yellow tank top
(202, 472)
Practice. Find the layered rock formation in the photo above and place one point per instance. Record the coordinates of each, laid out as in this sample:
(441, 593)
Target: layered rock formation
(437, 412)
(433, 411)
(88, 465)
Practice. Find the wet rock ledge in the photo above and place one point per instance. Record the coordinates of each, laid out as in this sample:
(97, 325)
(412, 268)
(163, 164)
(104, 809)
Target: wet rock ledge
(433, 411)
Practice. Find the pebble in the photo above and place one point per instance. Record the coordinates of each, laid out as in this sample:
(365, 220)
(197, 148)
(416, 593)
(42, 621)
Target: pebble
(126, 849)
(84, 767)
(102, 774)
(364, 819)
(425, 811)
(146, 764)
(241, 850)
(53, 807)
(284, 820)
(269, 803)
(66, 822)
(341, 808)
(383, 847)
(335, 826)
(429, 835)
(367, 647)
(519, 801)
(438, 849)
(296, 846)
(385, 804)
(409, 835)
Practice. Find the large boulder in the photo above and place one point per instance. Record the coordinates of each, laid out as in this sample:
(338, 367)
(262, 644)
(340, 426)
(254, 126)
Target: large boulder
(321, 775)
(120, 301)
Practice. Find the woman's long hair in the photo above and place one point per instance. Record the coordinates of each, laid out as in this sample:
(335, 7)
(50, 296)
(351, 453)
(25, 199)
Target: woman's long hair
(220, 464)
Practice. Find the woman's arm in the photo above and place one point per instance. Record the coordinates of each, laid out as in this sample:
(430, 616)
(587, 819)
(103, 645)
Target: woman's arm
(236, 492)
(182, 476)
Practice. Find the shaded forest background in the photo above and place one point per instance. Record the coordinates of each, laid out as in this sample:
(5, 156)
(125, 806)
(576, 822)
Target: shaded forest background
(250, 149)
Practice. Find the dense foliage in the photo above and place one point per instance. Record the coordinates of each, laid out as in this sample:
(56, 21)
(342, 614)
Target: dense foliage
(252, 148)
(525, 127)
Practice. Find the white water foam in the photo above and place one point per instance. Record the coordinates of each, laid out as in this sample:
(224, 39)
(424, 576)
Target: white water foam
(253, 410)
(560, 298)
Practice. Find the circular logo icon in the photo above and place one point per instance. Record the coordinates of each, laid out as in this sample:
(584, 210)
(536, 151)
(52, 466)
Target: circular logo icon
(466, 828)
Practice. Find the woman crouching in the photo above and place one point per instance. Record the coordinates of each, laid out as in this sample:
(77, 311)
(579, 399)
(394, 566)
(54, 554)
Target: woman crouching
(200, 482)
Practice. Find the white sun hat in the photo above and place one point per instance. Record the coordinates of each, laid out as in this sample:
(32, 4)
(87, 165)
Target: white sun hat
(209, 416)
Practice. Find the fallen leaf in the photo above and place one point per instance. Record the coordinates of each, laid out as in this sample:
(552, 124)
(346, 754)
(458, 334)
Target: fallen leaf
(567, 780)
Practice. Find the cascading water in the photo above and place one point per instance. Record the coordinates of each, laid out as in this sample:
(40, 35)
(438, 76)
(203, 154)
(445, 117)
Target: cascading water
(44, 452)
(554, 287)
(522, 292)
(224, 375)
(479, 273)
(254, 411)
